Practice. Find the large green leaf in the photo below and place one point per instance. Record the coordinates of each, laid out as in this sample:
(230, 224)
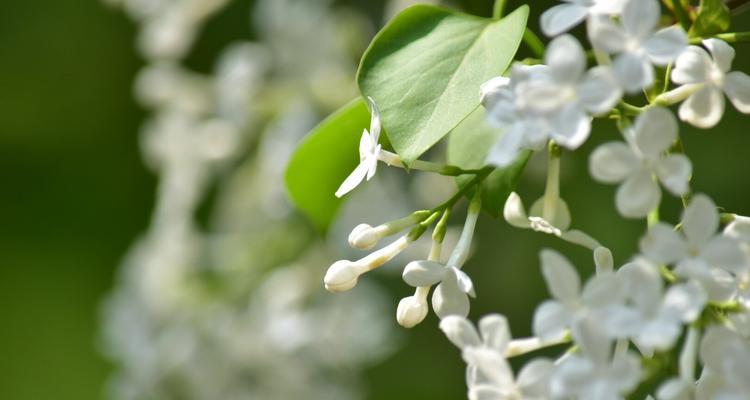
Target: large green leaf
(323, 160)
(425, 67)
(713, 17)
(468, 146)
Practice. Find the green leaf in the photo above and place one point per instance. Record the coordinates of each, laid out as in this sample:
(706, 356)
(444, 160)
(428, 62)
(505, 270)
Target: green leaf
(713, 17)
(425, 67)
(468, 146)
(323, 160)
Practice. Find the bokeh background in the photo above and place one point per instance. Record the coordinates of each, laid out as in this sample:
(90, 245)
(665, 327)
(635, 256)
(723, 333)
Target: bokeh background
(76, 194)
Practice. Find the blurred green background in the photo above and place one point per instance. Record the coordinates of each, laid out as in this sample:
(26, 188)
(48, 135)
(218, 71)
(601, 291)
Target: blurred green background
(75, 194)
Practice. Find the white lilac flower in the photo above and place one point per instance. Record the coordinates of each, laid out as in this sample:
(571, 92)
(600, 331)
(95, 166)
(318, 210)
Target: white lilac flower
(652, 317)
(369, 151)
(636, 163)
(563, 17)
(594, 373)
(554, 317)
(523, 129)
(570, 94)
(726, 359)
(558, 224)
(636, 43)
(707, 76)
(489, 376)
(697, 251)
(451, 297)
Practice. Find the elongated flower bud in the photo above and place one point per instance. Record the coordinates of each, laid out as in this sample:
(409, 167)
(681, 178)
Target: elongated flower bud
(341, 276)
(411, 311)
(364, 237)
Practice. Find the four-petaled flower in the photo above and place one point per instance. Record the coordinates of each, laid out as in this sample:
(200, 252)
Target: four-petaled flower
(709, 76)
(369, 152)
(636, 163)
(636, 44)
(698, 252)
(451, 296)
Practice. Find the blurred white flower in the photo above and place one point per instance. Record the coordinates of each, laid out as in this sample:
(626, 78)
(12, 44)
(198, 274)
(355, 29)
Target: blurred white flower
(652, 317)
(593, 373)
(563, 17)
(570, 93)
(698, 253)
(707, 77)
(726, 359)
(554, 317)
(488, 374)
(637, 45)
(369, 150)
(634, 164)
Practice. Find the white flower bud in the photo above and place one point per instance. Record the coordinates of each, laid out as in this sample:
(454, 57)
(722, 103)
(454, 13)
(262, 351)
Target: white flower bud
(341, 276)
(411, 311)
(603, 260)
(364, 237)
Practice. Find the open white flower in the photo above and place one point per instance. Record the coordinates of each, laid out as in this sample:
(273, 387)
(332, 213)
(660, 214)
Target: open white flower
(635, 164)
(652, 317)
(523, 128)
(708, 77)
(563, 17)
(698, 252)
(554, 317)
(369, 152)
(489, 376)
(451, 297)
(570, 93)
(594, 374)
(637, 45)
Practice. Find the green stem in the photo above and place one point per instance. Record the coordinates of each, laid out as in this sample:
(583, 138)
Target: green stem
(729, 37)
(477, 179)
(534, 42)
(498, 10)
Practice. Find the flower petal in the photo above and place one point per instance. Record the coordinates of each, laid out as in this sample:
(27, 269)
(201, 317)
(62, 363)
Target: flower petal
(599, 91)
(533, 379)
(685, 301)
(638, 195)
(663, 245)
(588, 334)
(700, 220)
(561, 218)
(351, 181)
(463, 281)
(566, 59)
(561, 277)
(612, 162)
(551, 319)
(693, 65)
(572, 127)
(639, 17)
(448, 299)
(491, 364)
(654, 131)
(725, 252)
(633, 72)
(561, 18)
(495, 331)
(375, 125)
(674, 173)
(460, 331)
(722, 53)
(423, 273)
(603, 289)
(737, 88)
(666, 45)
(506, 150)
(514, 213)
(703, 108)
(605, 34)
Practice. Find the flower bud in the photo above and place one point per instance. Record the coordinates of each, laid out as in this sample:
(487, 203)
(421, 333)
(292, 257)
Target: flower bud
(489, 91)
(341, 276)
(364, 237)
(411, 311)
